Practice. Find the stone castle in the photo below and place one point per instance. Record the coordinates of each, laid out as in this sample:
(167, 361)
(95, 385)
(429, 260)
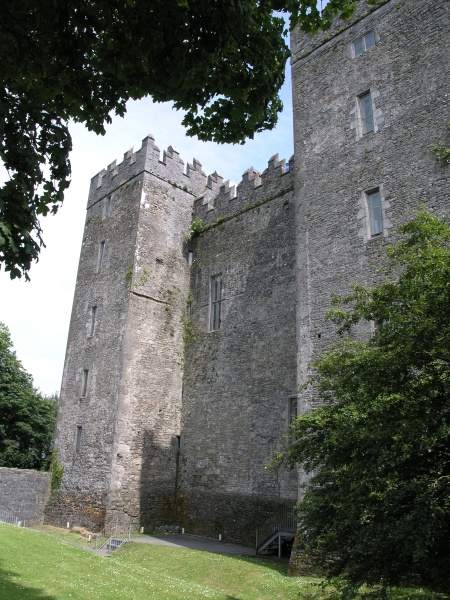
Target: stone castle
(189, 339)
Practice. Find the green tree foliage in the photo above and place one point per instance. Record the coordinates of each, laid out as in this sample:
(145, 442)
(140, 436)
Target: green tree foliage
(377, 445)
(222, 62)
(27, 419)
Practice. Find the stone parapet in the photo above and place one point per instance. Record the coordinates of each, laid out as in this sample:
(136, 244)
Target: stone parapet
(222, 199)
(170, 168)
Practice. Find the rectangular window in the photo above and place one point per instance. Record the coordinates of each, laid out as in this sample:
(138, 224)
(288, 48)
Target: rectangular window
(85, 382)
(78, 439)
(107, 207)
(293, 410)
(101, 250)
(216, 299)
(366, 113)
(93, 315)
(364, 43)
(375, 212)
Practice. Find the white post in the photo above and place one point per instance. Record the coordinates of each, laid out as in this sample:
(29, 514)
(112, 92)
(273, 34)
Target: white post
(220, 537)
(142, 530)
(68, 525)
(89, 538)
(182, 530)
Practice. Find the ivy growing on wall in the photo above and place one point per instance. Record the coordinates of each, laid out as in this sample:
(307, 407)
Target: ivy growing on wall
(442, 149)
(57, 471)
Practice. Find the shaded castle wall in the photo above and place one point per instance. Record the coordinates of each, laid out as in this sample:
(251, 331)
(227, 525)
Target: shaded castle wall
(407, 74)
(239, 378)
(130, 409)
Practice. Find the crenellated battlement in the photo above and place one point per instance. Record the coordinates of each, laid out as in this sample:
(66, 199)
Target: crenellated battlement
(222, 199)
(170, 168)
(215, 197)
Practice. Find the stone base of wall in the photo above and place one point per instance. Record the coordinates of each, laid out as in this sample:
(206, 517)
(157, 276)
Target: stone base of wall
(300, 562)
(24, 492)
(235, 516)
(143, 508)
(157, 510)
(83, 510)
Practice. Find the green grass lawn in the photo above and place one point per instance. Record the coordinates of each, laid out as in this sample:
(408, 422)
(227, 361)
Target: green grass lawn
(38, 566)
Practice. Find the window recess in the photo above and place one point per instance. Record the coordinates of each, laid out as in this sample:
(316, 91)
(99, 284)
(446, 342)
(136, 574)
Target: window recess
(292, 409)
(84, 384)
(101, 251)
(216, 301)
(78, 439)
(375, 212)
(365, 110)
(365, 42)
(93, 320)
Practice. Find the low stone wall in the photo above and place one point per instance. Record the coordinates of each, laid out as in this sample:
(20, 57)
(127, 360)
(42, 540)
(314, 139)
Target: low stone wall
(25, 493)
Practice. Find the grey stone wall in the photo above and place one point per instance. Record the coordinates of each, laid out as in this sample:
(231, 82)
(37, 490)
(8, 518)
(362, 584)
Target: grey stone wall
(407, 73)
(140, 211)
(239, 378)
(24, 492)
(148, 416)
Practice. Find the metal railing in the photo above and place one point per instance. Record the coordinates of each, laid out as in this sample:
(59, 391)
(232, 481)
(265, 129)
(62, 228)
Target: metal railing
(9, 517)
(115, 530)
(283, 519)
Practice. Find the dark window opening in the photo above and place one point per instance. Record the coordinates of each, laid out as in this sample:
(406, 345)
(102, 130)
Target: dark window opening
(85, 382)
(293, 409)
(216, 300)
(78, 439)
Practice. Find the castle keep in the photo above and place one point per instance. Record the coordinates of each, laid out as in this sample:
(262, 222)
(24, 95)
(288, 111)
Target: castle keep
(186, 352)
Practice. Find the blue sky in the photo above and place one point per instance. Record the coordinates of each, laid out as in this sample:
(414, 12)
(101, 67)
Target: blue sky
(38, 313)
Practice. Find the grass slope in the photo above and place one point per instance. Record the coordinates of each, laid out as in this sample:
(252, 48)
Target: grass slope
(38, 566)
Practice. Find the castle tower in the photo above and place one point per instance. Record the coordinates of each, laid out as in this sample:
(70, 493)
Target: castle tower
(119, 414)
(180, 374)
(371, 99)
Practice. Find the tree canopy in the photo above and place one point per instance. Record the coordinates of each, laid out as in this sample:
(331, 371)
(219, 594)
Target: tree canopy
(222, 62)
(376, 509)
(27, 419)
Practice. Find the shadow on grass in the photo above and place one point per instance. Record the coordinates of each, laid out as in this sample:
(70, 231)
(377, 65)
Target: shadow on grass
(268, 563)
(14, 590)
